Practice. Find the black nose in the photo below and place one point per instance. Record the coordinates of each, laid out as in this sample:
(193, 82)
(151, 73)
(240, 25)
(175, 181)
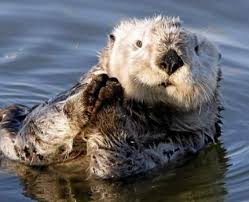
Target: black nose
(171, 61)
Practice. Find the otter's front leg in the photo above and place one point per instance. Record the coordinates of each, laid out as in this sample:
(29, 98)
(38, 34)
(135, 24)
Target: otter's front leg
(83, 107)
(46, 134)
(38, 136)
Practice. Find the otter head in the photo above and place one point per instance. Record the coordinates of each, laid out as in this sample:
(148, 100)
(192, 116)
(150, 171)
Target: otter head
(157, 60)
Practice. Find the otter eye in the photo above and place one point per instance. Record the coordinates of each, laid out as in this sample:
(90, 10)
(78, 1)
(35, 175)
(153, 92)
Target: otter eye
(197, 50)
(112, 37)
(139, 43)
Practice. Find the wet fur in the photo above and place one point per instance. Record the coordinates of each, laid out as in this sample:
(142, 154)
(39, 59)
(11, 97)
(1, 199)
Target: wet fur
(124, 127)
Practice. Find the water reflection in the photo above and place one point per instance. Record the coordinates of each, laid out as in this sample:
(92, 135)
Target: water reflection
(202, 179)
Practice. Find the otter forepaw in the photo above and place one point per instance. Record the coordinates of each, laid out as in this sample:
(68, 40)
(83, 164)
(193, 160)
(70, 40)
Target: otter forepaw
(91, 93)
(101, 91)
(110, 93)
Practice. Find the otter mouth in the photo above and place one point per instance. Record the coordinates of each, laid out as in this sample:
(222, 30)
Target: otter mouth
(165, 84)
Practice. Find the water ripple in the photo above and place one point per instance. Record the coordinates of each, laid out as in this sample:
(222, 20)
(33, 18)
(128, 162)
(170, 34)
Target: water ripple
(46, 45)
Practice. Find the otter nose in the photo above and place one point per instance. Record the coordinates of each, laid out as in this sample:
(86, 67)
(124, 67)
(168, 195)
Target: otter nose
(171, 61)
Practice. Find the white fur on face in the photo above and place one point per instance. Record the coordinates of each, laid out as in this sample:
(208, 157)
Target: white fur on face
(138, 70)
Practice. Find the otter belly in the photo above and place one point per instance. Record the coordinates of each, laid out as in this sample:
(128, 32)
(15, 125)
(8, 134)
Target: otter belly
(121, 144)
(121, 156)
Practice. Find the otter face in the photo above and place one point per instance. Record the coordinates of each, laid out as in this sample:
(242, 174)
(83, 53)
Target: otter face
(156, 60)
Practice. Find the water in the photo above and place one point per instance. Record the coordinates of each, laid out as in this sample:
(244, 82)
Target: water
(46, 45)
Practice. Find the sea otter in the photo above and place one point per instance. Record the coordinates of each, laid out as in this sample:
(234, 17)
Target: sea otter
(151, 101)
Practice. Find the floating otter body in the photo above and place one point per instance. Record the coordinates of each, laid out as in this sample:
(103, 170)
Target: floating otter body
(150, 101)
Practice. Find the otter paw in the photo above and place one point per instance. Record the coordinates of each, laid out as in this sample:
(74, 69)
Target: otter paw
(110, 93)
(101, 91)
(91, 93)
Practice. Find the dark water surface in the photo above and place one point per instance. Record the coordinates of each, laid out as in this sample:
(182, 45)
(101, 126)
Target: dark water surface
(46, 45)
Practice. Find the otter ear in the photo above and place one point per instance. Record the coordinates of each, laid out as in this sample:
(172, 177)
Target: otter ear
(111, 38)
(104, 56)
